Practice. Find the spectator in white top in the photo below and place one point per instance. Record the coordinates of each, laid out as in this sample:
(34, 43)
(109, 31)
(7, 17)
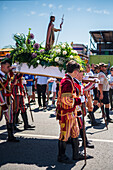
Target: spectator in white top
(89, 73)
(104, 89)
(51, 87)
(110, 77)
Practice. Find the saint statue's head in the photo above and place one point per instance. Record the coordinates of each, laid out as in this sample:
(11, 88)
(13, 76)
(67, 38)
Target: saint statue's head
(52, 18)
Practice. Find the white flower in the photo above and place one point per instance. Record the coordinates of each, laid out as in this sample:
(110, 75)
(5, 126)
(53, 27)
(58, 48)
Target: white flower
(64, 52)
(58, 51)
(63, 46)
(38, 61)
(74, 51)
(71, 56)
(18, 34)
(56, 59)
(51, 56)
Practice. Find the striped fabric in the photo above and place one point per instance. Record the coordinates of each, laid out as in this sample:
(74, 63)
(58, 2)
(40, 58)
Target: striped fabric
(89, 86)
(2, 99)
(5, 99)
(9, 114)
(67, 102)
(72, 129)
(18, 93)
(19, 104)
(1, 113)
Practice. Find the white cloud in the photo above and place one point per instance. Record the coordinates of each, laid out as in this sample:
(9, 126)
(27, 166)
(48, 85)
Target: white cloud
(88, 9)
(27, 15)
(101, 12)
(43, 4)
(98, 11)
(32, 12)
(14, 9)
(78, 9)
(50, 5)
(42, 14)
(4, 7)
(106, 12)
(60, 6)
(70, 8)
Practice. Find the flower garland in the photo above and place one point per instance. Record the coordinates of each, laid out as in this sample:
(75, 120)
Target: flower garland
(26, 50)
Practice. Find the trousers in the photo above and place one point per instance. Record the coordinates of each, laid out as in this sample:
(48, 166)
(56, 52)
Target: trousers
(72, 129)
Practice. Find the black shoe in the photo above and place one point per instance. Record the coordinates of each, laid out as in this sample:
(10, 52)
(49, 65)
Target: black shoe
(44, 108)
(64, 159)
(95, 123)
(13, 139)
(28, 127)
(16, 129)
(81, 156)
(69, 141)
(110, 120)
(89, 145)
(88, 116)
(52, 115)
(40, 107)
(19, 121)
(32, 101)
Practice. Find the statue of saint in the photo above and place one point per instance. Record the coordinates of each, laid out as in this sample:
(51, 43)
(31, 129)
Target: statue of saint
(50, 34)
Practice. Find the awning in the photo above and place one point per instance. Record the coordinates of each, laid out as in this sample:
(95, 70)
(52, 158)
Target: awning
(102, 36)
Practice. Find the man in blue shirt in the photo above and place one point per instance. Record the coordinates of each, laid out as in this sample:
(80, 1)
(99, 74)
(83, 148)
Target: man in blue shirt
(29, 79)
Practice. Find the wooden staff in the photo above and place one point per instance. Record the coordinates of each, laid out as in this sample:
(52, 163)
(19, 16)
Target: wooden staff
(84, 133)
(29, 105)
(60, 29)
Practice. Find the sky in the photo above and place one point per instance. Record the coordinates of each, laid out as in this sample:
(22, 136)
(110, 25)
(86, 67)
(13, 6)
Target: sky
(80, 17)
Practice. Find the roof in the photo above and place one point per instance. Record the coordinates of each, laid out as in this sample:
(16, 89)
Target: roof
(6, 49)
(102, 36)
(79, 45)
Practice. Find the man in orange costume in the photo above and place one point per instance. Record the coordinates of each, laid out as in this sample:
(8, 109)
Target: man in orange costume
(67, 114)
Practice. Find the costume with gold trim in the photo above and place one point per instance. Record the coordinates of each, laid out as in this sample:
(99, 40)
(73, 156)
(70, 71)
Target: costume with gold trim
(66, 108)
(18, 93)
(6, 98)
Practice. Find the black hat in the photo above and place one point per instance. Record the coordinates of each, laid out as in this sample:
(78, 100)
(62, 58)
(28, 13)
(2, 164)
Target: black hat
(6, 60)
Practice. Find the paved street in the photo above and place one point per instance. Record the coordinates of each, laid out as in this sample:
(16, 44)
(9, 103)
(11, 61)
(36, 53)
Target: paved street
(37, 148)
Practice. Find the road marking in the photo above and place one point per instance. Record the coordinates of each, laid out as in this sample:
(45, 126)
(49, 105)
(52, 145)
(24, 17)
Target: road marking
(101, 140)
(53, 137)
(37, 136)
